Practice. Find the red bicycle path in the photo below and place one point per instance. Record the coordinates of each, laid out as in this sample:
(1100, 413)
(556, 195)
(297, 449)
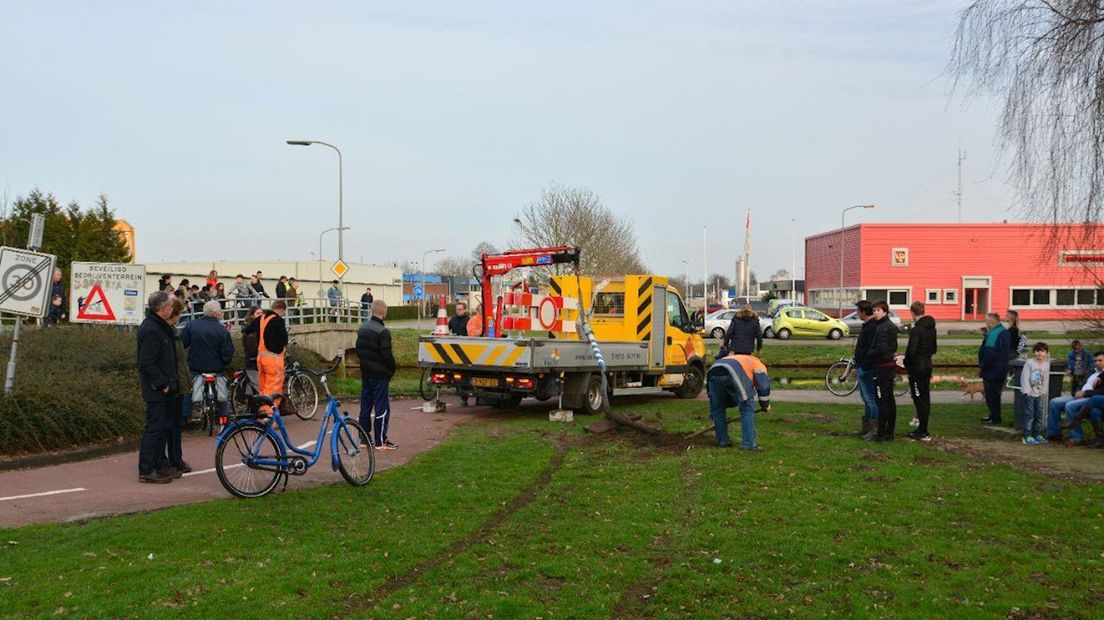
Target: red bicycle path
(109, 485)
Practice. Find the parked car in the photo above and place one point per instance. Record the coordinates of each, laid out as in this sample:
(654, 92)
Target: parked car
(711, 308)
(716, 324)
(854, 323)
(791, 322)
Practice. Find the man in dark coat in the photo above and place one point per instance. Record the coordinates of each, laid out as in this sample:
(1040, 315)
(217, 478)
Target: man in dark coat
(458, 324)
(377, 366)
(993, 358)
(883, 353)
(743, 336)
(157, 375)
(918, 361)
(210, 351)
(865, 370)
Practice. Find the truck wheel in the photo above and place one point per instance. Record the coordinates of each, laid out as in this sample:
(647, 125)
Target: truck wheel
(592, 398)
(718, 333)
(692, 383)
(784, 334)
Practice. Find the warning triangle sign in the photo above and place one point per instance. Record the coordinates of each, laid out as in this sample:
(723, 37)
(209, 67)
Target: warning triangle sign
(95, 306)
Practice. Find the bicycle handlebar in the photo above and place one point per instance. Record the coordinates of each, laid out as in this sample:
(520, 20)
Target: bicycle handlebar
(325, 371)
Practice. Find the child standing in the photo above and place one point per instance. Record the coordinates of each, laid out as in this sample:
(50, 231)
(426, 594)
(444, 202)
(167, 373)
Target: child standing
(1080, 365)
(1033, 383)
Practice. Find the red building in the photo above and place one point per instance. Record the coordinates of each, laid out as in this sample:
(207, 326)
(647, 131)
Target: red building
(961, 271)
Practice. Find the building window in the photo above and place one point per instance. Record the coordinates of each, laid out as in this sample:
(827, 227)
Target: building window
(1057, 297)
(898, 298)
(950, 296)
(932, 295)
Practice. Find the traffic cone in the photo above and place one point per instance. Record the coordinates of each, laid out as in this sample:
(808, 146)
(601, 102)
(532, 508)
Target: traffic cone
(442, 320)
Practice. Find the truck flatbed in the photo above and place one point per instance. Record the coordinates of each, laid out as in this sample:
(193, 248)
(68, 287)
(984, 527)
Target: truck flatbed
(527, 355)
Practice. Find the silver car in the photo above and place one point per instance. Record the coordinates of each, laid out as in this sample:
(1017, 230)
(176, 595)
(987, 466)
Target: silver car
(716, 324)
(854, 323)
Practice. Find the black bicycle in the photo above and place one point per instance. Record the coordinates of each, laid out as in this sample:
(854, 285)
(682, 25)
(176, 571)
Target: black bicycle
(209, 406)
(299, 389)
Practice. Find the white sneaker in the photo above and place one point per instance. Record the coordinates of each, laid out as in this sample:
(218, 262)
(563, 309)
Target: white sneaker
(915, 422)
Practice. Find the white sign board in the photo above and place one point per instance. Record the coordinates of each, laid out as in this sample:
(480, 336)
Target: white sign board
(25, 281)
(107, 293)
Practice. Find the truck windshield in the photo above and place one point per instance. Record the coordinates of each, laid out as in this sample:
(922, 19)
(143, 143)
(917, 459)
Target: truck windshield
(676, 313)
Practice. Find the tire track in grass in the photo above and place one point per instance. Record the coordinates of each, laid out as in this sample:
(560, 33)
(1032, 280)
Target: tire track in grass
(410, 576)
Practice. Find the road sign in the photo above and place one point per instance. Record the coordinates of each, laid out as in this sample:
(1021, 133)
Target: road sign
(38, 225)
(107, 293)
(339, 268)
(418, 291)
(25, 281)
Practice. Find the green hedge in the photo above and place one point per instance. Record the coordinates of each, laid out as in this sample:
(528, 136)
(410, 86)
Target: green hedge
(78, 385)
(406, 313)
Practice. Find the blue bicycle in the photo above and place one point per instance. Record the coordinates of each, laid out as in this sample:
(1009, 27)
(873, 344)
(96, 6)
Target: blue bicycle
(251, 455)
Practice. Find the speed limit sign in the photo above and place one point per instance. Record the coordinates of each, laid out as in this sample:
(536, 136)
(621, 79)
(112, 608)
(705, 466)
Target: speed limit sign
(25, 281)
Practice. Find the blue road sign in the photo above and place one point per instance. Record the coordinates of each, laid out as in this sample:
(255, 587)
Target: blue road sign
(418, 291)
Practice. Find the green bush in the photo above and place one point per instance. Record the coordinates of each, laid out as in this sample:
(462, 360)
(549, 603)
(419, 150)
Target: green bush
(78, 385)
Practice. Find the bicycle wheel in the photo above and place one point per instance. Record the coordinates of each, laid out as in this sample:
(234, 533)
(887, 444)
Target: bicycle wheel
(234, 458)
(210, 415)
(303, 394)
(842, 378)
(240, 391)
(900, 385)
(356, 458)
(426, 389)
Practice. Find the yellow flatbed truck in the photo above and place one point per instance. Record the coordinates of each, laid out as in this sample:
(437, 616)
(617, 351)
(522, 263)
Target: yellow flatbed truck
(641, 325)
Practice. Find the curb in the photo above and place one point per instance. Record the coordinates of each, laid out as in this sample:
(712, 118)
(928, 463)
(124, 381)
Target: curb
(69, 456)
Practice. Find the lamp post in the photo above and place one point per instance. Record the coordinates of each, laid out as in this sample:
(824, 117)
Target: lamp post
(340, 193)
(839, 309)
(686, 264)
(421, 306)
(321, 291)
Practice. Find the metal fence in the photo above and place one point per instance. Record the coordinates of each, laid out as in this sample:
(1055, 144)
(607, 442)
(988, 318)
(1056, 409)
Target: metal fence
(305, 311)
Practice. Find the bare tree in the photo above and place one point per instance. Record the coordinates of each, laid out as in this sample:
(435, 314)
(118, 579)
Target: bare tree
(576, 216)
(484, 247)
(781, 274)
(1046, 59)
(454, 266)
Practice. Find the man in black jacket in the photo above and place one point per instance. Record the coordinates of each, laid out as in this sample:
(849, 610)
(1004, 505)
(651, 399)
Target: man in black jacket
(377, 366)
(865, 370)
(743, 336)
(210, 351)
(883, 352)
(157, 375)
(918, 361)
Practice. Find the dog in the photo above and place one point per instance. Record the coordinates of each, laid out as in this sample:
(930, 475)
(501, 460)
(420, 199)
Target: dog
(971, 389)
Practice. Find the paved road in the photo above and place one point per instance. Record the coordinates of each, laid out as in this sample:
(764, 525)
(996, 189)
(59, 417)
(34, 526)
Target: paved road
(109, 485)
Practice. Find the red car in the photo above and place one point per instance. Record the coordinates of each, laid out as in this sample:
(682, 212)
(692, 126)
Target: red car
(711, 308)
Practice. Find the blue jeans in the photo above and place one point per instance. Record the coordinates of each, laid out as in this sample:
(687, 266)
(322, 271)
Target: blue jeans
(1032, 415)
(868, 394)
(373, 396)
(723, 394)
(1070, 406)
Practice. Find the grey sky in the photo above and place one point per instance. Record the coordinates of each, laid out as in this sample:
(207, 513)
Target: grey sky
(452, 115)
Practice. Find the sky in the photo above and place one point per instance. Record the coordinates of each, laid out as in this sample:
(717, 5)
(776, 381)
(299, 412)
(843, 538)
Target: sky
(452, 115)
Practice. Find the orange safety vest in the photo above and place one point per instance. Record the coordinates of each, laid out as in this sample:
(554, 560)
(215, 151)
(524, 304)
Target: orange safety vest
(261, 348)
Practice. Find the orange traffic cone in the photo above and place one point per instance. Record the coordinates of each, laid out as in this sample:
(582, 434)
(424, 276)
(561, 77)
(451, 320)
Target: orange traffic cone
(442, 320)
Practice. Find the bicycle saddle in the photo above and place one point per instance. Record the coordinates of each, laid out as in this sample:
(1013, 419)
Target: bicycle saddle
(262, 399)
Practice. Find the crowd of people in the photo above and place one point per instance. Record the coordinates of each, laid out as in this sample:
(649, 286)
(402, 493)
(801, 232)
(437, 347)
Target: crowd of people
(242, 295)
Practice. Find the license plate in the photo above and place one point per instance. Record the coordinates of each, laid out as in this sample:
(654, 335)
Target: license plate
(484, 382)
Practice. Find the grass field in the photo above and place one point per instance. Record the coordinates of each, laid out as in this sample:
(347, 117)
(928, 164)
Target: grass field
(516, 517)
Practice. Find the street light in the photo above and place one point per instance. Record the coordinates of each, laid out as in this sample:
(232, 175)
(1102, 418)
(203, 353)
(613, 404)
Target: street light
(340, 193)
(839, 309)
(421, 306)
(686, 263)
(321, 291)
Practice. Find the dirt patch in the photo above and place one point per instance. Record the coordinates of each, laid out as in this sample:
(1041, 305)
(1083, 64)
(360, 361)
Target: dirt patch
(406, 579)
(822, 419)
(929, 461)
(635, 600)
(1057, 460)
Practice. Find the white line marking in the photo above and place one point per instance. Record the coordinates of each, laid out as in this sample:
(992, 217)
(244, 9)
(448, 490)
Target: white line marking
(29, 495)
